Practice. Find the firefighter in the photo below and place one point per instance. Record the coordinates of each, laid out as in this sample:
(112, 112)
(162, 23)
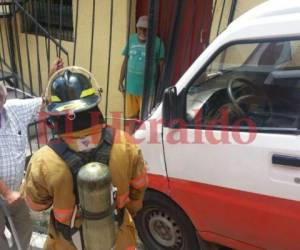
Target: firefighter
(50, 180)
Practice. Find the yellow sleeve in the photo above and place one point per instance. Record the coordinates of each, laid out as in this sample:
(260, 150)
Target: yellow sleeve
(35, 187)
(138, 182)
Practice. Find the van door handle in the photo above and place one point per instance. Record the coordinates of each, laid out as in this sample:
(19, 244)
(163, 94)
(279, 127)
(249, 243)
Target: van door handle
(286, 160)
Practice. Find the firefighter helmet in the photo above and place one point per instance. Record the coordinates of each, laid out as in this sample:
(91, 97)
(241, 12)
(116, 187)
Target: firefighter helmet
(71, 89)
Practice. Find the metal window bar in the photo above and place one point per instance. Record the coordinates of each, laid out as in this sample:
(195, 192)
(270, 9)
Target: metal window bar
(232, 11)
(2, 75)
(6, 27)
(59, 24)
(166, 79)
(109, 57)
(221, 18)
(150, 57)
(75, 36)
(18, 52)
(7, 76)
(40, 84)
(129, 14)
(25, 22)
(48, 40)
(2, 54)
(47, 46)
(2, 43)
(214, 7)
(10, 44)
(92, 37)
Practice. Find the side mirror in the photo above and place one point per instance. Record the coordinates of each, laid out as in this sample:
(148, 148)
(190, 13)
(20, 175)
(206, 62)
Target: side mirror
(169, 108)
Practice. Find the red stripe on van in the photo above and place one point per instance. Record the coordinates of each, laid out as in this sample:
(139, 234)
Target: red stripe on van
(233, 217)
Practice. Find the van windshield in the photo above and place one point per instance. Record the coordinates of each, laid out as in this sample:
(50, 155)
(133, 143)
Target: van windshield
(257, 81)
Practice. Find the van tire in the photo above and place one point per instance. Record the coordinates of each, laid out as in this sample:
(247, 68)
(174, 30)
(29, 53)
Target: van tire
(163, 225)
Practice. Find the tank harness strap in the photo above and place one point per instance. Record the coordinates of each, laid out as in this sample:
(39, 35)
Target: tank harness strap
(102, 152)
(65, 230)
(96, 216)
(75, 160)
(119, 217)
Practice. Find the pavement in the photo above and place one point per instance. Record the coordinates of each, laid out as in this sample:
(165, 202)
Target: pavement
(37, 241)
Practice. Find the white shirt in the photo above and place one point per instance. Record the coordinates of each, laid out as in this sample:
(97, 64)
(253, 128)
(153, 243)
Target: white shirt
(15, 117)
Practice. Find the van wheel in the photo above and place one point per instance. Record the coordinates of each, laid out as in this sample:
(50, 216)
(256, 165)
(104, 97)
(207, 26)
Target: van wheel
(161, 225)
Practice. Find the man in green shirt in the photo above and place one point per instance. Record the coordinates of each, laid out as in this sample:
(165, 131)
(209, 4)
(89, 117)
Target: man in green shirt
(133, 69)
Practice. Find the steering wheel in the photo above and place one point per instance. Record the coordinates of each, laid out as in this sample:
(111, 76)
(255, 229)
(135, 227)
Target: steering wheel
(250, 98)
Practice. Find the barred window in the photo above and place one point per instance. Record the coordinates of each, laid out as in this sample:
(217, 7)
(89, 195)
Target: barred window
(47, 14)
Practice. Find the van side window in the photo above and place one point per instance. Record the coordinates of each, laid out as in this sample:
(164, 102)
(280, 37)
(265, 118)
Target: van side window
(255, 85)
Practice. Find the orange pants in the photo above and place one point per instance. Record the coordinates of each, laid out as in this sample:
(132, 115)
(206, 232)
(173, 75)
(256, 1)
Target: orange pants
(133, 106)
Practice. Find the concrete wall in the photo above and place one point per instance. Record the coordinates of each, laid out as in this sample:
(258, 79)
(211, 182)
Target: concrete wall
(241, 7)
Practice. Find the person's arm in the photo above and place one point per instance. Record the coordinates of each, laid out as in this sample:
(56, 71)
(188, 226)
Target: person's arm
(28, 110)
(34, 188)
(57, 65)
(138, 183)
(123, 74)
(9, 195)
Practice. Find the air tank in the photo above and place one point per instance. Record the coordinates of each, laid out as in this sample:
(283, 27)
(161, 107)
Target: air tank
(95, 196)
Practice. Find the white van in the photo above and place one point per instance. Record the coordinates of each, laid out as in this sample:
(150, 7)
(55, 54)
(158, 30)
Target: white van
(223, 148)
